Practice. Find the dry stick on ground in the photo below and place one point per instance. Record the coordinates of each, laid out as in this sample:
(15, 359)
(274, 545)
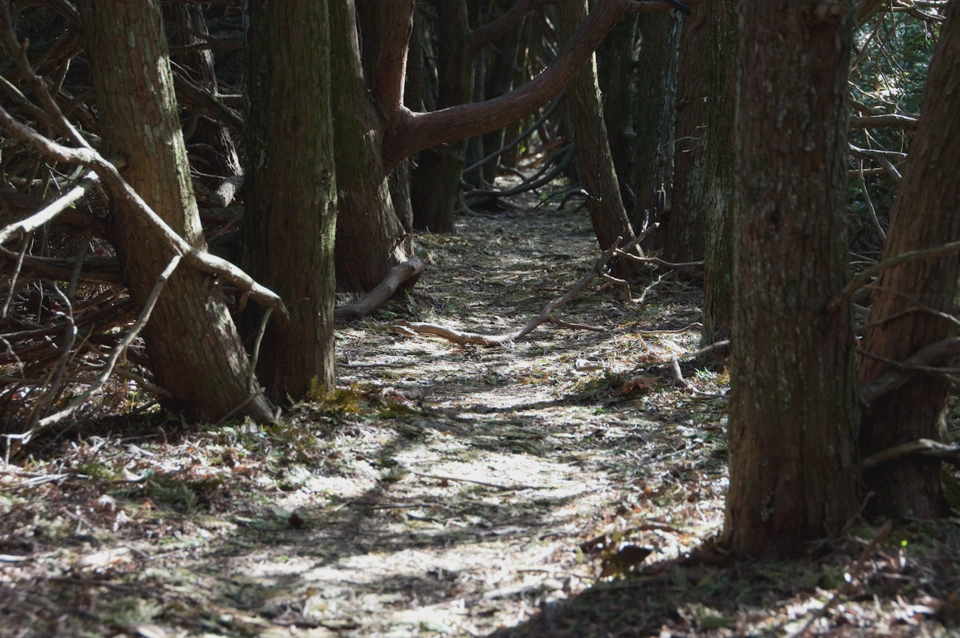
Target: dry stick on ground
(507, 338)
(400, 273)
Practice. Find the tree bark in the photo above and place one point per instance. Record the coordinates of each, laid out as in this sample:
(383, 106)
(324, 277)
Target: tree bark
(370, 237)
(436, 179)
(195, 351)
(289, 221)
(721, 169)
(617, 69)
(793, 456)
(654, 126)
(685, 226)
(607, 214)
(924, 216)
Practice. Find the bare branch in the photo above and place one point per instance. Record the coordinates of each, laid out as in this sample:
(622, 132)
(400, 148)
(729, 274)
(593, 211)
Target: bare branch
(121, 190)
(114, 358)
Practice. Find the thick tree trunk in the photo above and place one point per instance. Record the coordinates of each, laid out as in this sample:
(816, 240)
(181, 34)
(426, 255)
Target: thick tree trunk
(655, 125)
(684, 235)
(289, 222)
(721, 169)
(195, 352)
(370, 237)
(607, 214)
(436, 179)
(925, 215)
(793, 457)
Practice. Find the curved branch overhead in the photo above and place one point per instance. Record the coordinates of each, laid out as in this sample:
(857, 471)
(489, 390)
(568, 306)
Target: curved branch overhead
(410, 132)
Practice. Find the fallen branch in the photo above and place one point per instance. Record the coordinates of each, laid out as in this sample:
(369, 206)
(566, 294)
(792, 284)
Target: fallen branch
(659, 262)
(508, 338)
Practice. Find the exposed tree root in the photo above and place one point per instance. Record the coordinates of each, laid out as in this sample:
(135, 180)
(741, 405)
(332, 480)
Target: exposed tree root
(409, 329)
(399, 274)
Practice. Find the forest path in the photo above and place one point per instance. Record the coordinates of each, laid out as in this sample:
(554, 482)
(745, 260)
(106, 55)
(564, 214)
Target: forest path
(459, 511)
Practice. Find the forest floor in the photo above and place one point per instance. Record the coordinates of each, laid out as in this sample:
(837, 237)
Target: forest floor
(562, 486)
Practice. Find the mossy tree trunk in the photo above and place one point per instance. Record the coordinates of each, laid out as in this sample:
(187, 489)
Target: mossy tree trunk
(925, 215)
(195, 351)
(289, 222)
(793, 405)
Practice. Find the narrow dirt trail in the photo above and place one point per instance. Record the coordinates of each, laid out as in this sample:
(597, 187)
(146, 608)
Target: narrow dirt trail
(446, 490)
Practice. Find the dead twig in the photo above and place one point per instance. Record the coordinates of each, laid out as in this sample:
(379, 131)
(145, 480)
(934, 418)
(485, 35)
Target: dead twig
(112, 361)
(860, 279)
(506, 488)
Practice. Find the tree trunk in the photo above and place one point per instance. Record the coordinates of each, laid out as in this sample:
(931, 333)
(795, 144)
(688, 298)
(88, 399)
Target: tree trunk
(924, 216)
(289, 221)
(607, 214)
(514, 130)
(370, 237)
(793, 457)
(721, 169)
(617, 68)
(655, 126)
(502, 73)
(685, 226)
(195, 352)
(436, 179)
